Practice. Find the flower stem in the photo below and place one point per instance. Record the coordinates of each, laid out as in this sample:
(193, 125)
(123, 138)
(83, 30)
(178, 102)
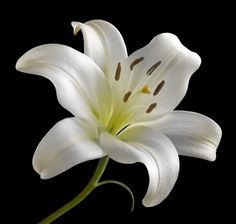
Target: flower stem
(93, 183)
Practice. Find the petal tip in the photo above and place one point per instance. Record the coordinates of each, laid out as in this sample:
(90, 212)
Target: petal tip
(168, 37)
(196, 60)
(36, 168)
(76, 27)
(146, 204)
(172, 40)
(44, 175)
(19, 64)
(149, 202)
(211, 157)
(25, 61)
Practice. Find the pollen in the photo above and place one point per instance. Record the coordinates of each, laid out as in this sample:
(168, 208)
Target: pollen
(146, 90)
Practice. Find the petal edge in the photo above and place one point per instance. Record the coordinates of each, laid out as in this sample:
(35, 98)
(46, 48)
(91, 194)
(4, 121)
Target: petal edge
(155, 151)
(70, 142)
(193, 134)
(103, 43)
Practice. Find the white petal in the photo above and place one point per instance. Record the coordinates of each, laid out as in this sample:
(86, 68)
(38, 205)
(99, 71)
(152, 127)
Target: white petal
(163, 61)
(155, 151)
(193, 134)
(103, 43)
(67, 144)
(79, 82)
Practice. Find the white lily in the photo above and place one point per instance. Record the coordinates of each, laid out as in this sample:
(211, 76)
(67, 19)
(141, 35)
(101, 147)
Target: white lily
(123, 106)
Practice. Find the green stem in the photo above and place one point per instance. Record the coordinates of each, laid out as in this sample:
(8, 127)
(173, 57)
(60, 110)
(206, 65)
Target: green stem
(93, 183)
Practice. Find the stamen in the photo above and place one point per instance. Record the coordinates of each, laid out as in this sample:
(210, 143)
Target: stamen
(146, 90)
(118, 71)
(153, 68)
(159, 87)
(135, 62)
(151, 107)
(126, 96)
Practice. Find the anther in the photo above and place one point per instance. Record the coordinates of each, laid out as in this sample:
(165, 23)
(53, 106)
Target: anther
(159, 87)
(146, 90)
(153, 68)
(151, 107)
(118, 71)
(135, 62)
(126, 96)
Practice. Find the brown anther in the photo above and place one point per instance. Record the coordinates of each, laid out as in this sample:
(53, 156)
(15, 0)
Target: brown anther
(135, 62)
(126, 96)
(159, 87)
(153, 68)
(151, 107)
(118, 71)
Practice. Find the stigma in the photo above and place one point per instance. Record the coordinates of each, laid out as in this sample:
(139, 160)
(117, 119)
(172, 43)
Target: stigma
(146, 90)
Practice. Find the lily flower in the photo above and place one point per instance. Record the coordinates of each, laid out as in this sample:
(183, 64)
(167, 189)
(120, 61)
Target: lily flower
(123, 106)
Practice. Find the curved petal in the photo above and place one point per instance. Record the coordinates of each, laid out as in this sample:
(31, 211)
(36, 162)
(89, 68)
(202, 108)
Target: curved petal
(79, 82)
(103, 43)
(193, 134)
(70, 142)
(155, 151)
(156, 78)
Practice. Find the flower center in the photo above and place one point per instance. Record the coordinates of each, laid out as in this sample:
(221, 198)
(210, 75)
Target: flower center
(130, 103)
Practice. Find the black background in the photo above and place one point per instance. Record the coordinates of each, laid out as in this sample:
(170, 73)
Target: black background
(204, 190)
